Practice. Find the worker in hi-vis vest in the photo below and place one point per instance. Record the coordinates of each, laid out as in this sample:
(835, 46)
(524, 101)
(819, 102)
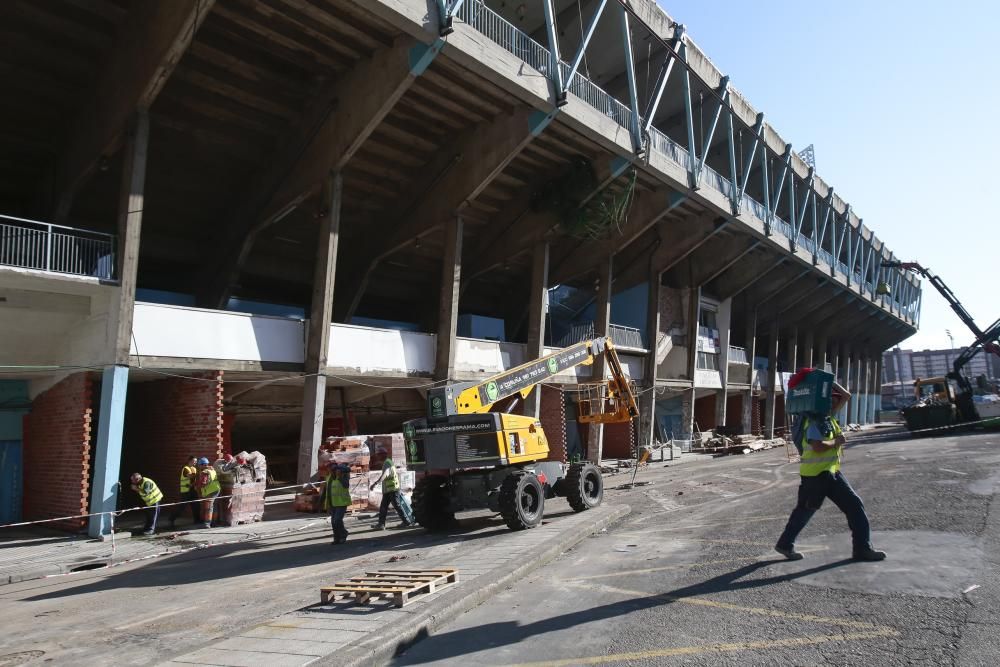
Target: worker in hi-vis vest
(337, 498)
(821, 443)
(189, 497)
(209, 488)
(390, 495)
(151, 496)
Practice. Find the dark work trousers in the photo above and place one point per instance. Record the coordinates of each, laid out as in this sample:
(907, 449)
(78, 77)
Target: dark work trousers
(152, 513)
(812, 492)
(337, 515)
(383, 510)
(187, 496)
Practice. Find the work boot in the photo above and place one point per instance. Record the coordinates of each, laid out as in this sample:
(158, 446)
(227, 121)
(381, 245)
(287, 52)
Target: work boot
(379, 526)
(788, 552)
(868, 554)
(148, 533)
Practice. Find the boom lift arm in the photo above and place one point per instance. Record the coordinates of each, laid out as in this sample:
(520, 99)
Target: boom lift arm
(986, 340)
(465, 398)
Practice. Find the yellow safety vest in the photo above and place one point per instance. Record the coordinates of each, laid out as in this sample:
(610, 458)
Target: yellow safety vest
(186, 473)
(335, 494)
(149, 492)
(213, 485)
(390, 480)
(815, 463)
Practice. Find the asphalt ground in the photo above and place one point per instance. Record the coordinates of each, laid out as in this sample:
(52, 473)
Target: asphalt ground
(690, 576)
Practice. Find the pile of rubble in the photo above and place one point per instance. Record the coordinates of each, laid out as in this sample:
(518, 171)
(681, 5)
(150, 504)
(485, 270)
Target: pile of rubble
(365, 455)
(710, 442)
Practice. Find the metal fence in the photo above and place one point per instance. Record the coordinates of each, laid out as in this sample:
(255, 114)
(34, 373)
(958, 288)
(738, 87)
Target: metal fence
(29, 244)
(501, 31)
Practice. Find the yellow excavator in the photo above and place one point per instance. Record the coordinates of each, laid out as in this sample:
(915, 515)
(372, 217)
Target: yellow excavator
(476, 454)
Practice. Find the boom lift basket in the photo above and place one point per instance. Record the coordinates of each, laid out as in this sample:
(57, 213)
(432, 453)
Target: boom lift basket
(603, 403)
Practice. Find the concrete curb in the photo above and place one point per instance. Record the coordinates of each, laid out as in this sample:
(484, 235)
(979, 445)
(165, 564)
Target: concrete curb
(377, 651)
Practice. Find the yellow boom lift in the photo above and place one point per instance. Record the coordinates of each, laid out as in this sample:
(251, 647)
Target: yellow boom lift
(476, 455)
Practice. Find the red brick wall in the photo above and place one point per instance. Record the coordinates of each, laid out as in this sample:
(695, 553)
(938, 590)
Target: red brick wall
(553, 417)
(57, 435)
(166, 421)
(704, 413)
(734, 411)
(618, 439)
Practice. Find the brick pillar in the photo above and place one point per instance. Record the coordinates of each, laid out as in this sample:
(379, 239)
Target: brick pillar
(168, 421)
(57, 438)
(552, 405)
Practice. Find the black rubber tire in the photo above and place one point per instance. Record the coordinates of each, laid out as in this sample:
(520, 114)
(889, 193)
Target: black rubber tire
(522, 500)
(431, 505)
(584, 486)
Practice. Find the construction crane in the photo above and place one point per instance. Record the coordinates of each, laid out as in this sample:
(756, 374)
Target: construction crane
(985, 340)
(477, 455)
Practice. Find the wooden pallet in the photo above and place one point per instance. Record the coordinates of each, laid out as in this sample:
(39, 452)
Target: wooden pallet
(402, 586)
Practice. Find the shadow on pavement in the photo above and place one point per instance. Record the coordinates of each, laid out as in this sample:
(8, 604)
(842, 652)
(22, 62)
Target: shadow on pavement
(260, 556)
(470, 640)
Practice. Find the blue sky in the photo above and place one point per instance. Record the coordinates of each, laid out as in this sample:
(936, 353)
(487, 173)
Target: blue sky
(900, 100)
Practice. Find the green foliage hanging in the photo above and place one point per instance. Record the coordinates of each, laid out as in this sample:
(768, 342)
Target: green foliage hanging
(567, 198)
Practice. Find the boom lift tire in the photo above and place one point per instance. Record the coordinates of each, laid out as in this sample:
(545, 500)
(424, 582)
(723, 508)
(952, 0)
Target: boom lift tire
(584, 486)
(431, 505)
(522, 500)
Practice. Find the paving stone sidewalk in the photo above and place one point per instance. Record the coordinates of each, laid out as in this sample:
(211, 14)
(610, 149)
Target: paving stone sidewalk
(344, 633)
(26, 555)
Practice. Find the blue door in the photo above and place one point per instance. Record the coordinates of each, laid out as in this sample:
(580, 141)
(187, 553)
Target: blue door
(10, 481)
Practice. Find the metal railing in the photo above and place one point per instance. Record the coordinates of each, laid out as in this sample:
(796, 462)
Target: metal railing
(621, 336)
(477, 15)
(738, 355)
(501, 31)
(42, 246)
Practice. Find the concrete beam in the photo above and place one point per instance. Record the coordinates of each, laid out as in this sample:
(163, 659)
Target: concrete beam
(678, 239)
(151, 42)
(602, 326)
(486, 150)
(322, 143)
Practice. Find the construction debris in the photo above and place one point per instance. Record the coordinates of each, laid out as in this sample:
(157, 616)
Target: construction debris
(721, 445)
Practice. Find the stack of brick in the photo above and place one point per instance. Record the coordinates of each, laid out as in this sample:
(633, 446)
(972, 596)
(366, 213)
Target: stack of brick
(57, 437)
(365, 455)
(244, 480)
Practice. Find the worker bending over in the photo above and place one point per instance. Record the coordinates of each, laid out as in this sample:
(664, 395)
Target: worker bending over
(390, 494)
(151, 497)
(821, 443)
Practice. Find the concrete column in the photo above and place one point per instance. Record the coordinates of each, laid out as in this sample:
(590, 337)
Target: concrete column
(808, 351)
(108, 457)
(751, 343)
(772, 380)
(320, 317)
(538, 309)
(451, 282)
(648, 403)
(723, 320)
(131, 199)
(694, 314)
(822, 355)
(602, 327)
(111, 420)
(792, 351)
(878, 389)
